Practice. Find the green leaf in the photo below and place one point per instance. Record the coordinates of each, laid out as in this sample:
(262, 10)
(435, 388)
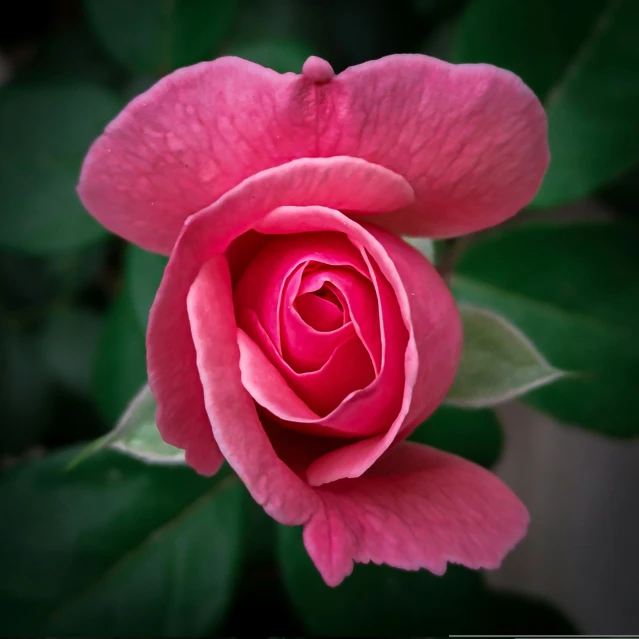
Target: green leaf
(586, 73)
(117, 548)
(45, 131)
(120, 365)
(72, 52)
(498, 362)
(573, 288)
(143, 272)
(279, 55)
(25, 390)
(476, 435)
(425, 246)
(69, 344)
(153, 36)
(136, 434)
(377, 600)
(28, 282)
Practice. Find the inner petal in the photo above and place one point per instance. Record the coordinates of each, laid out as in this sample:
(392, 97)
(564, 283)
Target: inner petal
(321, 310)
(347, 370)
(264, 286)
(302, 346)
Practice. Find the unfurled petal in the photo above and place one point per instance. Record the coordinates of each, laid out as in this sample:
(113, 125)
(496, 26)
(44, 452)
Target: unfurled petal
(471, 139)
(418, 507)
(195, 135)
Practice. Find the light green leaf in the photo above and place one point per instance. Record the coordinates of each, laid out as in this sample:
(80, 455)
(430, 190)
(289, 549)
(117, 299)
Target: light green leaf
(476, 435)
(136, 434)
(143, 271)
(586, 73)
(424, 245)
(120, 364)
(153, 36)
(573, 289)
(45, 131)
(498, 362)
(116, 548)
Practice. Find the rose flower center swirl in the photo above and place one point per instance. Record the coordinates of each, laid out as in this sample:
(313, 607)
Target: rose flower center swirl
(308, 306)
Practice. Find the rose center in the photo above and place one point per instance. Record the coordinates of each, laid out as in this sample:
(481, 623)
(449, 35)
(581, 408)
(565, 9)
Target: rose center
(321, 309)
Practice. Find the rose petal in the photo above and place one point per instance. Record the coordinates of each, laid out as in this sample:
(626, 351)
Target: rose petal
(304, 347)
(230, 409)
(261, 286)
(418, 507)
(173, 375)
(318, 313)
(195, 135)
(434, 344)
(322, 391)
(470, 139)
(359, 296)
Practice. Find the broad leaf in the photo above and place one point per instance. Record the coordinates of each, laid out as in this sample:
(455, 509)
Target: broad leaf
(573, 289)
(381, 601)
(378, 600)
(69, 344)
(143, 272)
(148, 36)
(25, 391)
(116, 548)
(586, 73)
(120, 365)
(498, 362)
(45, 131)
(136, 434)
(476, 435)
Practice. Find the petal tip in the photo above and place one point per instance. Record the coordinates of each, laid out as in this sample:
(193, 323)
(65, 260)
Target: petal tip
(317, 70)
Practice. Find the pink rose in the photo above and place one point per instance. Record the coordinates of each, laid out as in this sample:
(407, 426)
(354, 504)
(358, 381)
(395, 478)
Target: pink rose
(295, 334)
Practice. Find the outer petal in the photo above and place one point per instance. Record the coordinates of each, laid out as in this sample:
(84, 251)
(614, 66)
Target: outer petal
(471, 139)
(418, 507)
(189, 139)
(173, 375)
(230, 408)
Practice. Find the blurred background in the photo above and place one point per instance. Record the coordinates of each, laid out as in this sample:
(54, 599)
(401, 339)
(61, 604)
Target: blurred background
(74, 302)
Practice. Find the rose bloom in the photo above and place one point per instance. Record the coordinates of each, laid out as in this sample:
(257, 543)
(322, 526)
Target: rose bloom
(295, 333)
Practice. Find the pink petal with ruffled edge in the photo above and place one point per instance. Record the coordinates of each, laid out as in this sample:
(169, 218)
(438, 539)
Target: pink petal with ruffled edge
(470, 139)
(418, 507)
(173, 376)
